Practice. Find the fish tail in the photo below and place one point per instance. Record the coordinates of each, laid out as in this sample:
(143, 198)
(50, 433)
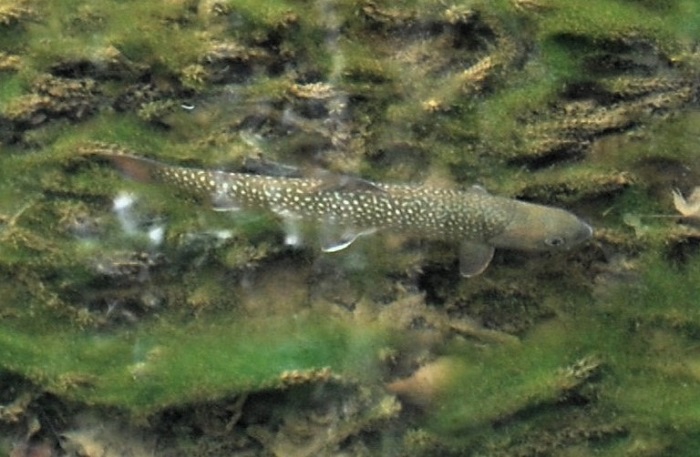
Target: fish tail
(136, 168)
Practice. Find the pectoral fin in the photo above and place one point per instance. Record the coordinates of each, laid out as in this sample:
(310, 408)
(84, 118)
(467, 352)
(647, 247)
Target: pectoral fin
(474, 258)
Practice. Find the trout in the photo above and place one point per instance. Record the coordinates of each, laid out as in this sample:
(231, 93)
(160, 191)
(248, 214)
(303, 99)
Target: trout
(348, 208)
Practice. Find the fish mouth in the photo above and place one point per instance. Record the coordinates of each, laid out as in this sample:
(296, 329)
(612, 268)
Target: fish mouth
(585, 233)
(589, 230)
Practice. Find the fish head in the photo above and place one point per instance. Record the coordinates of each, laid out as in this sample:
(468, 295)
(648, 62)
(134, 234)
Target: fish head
(542, 228)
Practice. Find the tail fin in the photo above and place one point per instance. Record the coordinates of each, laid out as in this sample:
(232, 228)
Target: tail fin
(137, 168)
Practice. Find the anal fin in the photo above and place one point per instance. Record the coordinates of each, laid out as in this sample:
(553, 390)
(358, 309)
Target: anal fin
(474, 257)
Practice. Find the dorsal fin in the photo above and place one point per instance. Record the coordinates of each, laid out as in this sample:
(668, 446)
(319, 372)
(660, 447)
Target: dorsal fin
(261, 166)
(332, 182)
(476, 188)
(328, 181)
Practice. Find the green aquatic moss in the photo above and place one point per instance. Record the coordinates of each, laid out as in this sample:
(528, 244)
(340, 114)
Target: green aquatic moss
(663, 295)
(269, 14)
(630, 355)
(498, 115)
(496, 383)
(616, 19)
(656, 370)
(536, 99)
(123, 131)
(670, 140)
(163, 364)
(162, 35)
(12, 85)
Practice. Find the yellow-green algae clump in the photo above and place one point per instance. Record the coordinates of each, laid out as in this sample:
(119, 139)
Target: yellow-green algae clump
(126, 297)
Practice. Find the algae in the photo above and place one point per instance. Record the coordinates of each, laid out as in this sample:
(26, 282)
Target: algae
(159, 366)
(203, 330)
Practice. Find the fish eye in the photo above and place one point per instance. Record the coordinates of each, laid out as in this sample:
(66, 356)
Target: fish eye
(555, 241)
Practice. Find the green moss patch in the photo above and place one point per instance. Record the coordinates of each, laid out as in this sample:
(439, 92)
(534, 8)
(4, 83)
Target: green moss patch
(160, 365)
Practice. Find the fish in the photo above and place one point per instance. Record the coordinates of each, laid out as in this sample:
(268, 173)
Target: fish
(348, 208)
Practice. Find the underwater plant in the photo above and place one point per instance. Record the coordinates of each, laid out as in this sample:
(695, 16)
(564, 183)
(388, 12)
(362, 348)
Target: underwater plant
(137, 307)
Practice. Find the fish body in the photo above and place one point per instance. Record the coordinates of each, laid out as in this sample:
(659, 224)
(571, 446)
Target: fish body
(348, 208)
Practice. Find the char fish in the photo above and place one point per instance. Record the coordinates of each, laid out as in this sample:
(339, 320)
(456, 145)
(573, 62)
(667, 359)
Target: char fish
(348, 208)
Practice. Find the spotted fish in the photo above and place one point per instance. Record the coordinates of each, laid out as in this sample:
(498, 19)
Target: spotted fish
(348, 208)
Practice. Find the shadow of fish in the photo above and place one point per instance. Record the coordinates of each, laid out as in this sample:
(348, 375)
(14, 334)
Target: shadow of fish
(348, 208)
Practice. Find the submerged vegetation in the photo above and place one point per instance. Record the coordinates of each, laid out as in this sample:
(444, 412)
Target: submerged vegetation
(126, 310)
